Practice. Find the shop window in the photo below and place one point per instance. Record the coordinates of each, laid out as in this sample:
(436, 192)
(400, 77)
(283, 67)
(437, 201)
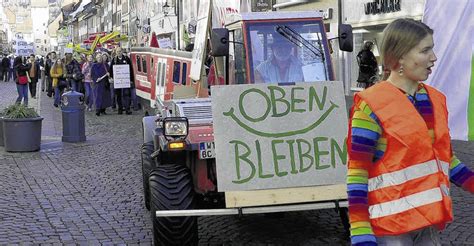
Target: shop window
(144, 67)
(176, 71)
(184, 77)
(139, 63)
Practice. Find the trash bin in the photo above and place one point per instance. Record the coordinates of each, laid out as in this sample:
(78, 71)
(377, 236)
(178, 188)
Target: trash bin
(72, 107)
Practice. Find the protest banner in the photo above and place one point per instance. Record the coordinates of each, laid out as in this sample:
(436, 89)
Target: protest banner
(269, 136)
(23, 48)
(121, 76)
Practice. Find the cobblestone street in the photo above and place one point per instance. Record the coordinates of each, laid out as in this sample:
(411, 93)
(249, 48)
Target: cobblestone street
(91, 193)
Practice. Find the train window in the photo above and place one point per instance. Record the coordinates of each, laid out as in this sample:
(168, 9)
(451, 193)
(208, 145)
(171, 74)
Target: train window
(139, 63)
(158, 76)
(176, 71)
(144, 64)
(163, 75)
(183, 76)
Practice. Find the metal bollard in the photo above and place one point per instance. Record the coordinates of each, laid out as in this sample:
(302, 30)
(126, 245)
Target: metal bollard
(72, 107)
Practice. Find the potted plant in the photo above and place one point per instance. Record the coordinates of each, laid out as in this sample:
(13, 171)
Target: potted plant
(21, 129)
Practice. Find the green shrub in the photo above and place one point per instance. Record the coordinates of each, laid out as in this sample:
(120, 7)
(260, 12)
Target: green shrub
(19, 111)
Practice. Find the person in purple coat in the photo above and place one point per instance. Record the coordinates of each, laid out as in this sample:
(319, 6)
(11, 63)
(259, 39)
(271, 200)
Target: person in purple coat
(100, 77)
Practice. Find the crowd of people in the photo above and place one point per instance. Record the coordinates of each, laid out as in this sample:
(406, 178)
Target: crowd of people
(91, 75)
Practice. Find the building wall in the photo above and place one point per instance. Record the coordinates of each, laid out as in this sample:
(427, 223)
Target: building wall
(39, 3)
(354, 12)
(40, 17)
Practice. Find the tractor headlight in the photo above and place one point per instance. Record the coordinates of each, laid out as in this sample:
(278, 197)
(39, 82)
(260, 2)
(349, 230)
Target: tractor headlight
(175, 127)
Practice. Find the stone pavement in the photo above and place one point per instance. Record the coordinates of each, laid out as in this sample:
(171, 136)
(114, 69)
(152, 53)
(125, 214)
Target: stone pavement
(91, 194)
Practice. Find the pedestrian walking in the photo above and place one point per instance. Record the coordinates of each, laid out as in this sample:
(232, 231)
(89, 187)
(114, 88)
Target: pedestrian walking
(58, 77)
(100, 77)
(21, 70)
(122, 95)
(400, 153)
(4, 67)
(11, 70)
(50, 60)
(73, 72)
(88, 83)
(367, 66)
(34, 74)
(106, 59)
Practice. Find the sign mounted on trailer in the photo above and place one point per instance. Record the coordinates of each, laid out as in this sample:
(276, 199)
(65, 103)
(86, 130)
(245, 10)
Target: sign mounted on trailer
(270, 136)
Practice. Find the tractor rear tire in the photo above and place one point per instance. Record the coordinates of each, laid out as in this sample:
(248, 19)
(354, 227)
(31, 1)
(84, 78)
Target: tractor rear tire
(147, 165)
(171, 188)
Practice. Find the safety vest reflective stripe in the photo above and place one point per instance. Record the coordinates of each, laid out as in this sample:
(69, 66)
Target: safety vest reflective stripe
(405, 203)
(407, 174)
(444, 167)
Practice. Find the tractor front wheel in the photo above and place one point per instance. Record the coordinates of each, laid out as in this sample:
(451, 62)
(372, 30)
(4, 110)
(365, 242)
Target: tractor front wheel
(171, 188)
(147, 165)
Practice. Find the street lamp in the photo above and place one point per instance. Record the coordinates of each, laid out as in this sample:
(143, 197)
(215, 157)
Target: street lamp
(137, 23)
(167, 9)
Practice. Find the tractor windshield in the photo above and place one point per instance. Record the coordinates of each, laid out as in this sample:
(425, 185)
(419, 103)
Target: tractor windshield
(287, 52)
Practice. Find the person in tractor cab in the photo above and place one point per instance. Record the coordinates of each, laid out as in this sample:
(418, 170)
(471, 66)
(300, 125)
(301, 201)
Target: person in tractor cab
(282, 66)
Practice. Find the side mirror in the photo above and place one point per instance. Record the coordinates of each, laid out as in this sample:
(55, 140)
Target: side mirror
(220, 42)
(346, 42)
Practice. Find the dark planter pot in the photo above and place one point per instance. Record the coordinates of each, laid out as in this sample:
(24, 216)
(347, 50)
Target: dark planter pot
(22, 135)
(1, 132)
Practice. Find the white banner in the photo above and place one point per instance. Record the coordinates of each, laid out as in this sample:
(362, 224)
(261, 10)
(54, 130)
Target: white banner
(199, 51)
(121, 76)
(453, 25)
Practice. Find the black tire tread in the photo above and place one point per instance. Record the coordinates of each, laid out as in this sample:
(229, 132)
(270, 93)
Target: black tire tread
(171, 188)
(147, 166)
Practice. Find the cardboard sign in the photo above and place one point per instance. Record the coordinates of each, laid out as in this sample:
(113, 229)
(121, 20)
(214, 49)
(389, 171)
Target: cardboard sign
(121, 76)
(269, 136)
(23, 48)
(165, 43)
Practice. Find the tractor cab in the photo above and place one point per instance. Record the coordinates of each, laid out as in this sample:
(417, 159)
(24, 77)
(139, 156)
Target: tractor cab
(276, 48)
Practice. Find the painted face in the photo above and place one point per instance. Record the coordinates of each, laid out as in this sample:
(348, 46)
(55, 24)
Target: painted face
(417, 63)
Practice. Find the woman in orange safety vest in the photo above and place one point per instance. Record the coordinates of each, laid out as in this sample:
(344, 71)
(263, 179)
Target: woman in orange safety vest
(400, 158)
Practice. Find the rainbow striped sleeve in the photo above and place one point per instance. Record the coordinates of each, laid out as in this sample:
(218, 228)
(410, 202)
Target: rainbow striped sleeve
(364, 135)
(460, 175)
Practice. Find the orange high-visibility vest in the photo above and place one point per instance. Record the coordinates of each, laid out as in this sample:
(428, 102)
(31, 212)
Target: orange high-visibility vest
(408, 188)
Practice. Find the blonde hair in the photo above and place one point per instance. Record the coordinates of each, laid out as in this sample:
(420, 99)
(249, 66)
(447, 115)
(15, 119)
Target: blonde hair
(56, 66)
(399, 37)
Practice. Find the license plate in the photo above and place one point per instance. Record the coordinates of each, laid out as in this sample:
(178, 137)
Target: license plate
(207, 150)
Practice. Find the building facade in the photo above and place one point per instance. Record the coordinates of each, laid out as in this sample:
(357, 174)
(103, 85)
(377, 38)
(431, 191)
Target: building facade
(40, 16)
